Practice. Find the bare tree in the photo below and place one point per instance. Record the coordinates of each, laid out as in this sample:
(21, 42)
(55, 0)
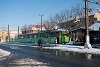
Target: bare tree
(24, 27)
(60, 17)
(67, 15)
(30, 26)
(48, 25)
(77, 11)
(52, 21)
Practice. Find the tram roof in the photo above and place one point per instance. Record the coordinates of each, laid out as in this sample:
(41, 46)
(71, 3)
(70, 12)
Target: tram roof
(59, 30)
(83, 29)
(46, 31)
(28, 34)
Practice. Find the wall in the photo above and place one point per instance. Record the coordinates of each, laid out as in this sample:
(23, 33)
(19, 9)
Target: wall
(97, 15)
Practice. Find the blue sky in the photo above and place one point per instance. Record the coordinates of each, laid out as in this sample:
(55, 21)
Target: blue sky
(21, 12)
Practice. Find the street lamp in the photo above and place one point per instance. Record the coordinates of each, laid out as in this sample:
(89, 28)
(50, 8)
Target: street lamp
(87, 44)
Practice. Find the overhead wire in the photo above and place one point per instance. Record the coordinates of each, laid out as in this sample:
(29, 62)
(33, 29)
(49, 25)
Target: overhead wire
(94, 2)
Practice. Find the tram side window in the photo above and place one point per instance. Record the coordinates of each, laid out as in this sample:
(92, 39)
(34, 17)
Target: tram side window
(34, 36)
(30, 36)
(26, 37)
(52, 35)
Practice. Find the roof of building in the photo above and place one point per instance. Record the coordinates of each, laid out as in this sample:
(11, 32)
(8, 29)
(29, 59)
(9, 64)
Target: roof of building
(36, 26)
(95, 26)
(94, 12)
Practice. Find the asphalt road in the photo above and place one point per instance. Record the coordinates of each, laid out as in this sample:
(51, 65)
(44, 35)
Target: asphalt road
(25, 56)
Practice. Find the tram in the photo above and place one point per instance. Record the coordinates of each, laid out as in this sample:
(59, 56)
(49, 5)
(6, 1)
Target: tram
(50, 36)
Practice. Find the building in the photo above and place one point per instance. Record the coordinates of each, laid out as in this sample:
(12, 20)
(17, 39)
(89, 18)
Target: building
(14, 34)
(4, 35)
(94, 32)
(95, 26)
(72, 24)
(97, 15)
(33, 29)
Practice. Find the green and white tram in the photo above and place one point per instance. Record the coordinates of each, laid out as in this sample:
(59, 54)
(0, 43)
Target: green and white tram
(50, 36)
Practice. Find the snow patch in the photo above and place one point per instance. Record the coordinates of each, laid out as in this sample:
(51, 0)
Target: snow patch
(14, 47)
(72, 48)
(4, 53)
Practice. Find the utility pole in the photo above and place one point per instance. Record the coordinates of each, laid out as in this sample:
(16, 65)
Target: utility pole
(2, 33)
(41, 30)
(18, 31)
(87, 44)
(8, 34)
(41, 21)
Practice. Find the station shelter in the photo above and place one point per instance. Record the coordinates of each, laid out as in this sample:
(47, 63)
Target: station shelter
(79, 35)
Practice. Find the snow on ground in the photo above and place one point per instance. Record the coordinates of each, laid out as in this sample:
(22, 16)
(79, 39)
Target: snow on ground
(29, 61)
(4, 53)
(72, 48)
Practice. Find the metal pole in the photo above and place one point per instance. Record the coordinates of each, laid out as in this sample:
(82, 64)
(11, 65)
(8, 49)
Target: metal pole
(18, 31)
(41, 30)
(87, 19)
(8, 34)
(87, 44)
(41, 21)
(2, 33)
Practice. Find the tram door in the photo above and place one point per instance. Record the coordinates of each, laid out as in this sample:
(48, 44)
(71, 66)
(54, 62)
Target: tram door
(66, 38)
